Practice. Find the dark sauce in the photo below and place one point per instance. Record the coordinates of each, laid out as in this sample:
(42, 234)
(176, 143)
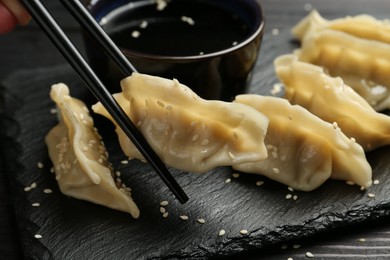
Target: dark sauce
(182, 28)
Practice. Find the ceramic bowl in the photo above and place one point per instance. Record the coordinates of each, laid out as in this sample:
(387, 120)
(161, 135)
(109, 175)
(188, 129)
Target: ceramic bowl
(209, 45)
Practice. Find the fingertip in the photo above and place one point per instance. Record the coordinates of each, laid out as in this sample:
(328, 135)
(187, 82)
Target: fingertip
(7, 20)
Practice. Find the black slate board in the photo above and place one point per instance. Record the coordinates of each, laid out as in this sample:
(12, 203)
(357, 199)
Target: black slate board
(74, 229)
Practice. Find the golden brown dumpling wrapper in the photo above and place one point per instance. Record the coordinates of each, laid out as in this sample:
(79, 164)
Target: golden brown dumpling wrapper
(333, 101)
(304, 151)
(186, 131)
(80, 159)
(362, 26)
(363, 64)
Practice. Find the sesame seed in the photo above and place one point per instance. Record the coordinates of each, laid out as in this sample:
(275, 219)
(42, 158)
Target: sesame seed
(290, 189)
(38, 236)
(27, 188)
(40, 165)
(143, 24)
(53, 111)
(234, 43)
(184, 217)
(353, 140)
(376, 182)
(350, 182)
(371, 195)
(160, 103)
(201, 53)
(259, 183)
(231, 155)
(310, 255)
(296, 246)
(135, 34)
(188, 20)
(33, 185)
(362, 240)
(221, 233)
(362, 188)
(52, 170)
(307, 7)
(275, 31)
(164, 203)
(118, 174)
(335, 125)
(161, 4)
(295, 197)
(165, 215)
(284, 246)
(288, 196)
(47, 191)
(201, 220)
(275, 170)
(235, 175)
(276, 88)
(290, 258)
(124, 162)
(36, 204)
(243, 232)
(228, 180)
(162, 210)
(205, 142)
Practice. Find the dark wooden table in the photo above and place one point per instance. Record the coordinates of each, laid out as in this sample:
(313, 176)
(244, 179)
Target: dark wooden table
(28, 48)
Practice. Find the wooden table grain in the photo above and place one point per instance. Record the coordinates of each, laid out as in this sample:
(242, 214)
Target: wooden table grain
(27, 47)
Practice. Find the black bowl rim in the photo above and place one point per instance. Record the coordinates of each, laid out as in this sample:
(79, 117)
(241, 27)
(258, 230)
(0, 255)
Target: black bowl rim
(258, 32)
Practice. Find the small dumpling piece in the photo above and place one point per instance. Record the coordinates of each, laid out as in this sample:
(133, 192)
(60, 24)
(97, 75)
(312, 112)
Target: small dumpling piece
(80, 159)
(304, 151)
(330, 99)
(363, 64)
(186, 131)
(362, 26)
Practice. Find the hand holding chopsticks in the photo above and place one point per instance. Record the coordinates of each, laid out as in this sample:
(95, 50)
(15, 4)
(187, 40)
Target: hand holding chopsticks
(75, 59)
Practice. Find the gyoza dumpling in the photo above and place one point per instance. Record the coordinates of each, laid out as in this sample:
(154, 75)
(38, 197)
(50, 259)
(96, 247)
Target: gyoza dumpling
(80, 159)
(363, 64)
(304, 151)
(186, 131)
(362, 26)
(333, 101)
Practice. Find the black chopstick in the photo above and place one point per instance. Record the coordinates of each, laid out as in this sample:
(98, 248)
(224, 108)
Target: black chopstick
(76, 60)
(89, 24)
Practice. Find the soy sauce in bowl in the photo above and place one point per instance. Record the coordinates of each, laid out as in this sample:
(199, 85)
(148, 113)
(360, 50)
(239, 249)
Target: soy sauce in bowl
(209, 45)
(181, 28)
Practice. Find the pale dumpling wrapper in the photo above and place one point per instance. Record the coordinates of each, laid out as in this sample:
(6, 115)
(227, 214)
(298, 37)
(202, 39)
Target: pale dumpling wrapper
(363, 64)
(362, 26)
(79, 157)
(186, 131)
(333, 101)
(304, 151)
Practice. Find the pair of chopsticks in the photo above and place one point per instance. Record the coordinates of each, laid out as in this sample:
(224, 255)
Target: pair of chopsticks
(76, 60)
